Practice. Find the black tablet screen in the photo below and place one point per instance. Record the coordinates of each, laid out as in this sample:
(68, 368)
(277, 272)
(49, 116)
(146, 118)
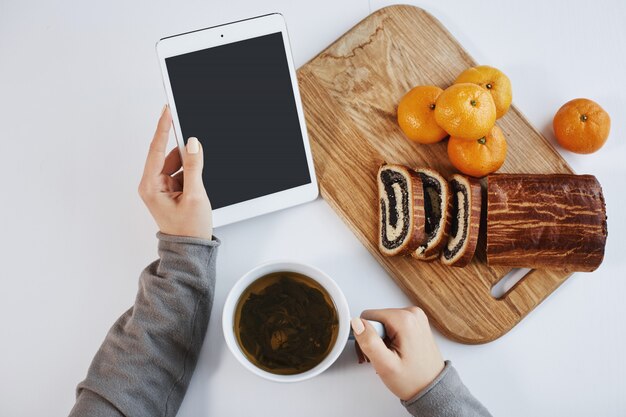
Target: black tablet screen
(237, 99)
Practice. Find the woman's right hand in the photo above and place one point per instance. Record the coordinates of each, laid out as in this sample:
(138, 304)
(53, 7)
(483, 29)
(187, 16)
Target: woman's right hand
(411, 359)
(176, 199)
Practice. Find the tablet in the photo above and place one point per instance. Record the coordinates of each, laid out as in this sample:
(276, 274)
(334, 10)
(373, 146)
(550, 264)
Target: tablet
(234, 87)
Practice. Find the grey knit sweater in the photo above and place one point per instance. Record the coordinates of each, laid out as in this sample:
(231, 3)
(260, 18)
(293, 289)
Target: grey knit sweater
(145, 363)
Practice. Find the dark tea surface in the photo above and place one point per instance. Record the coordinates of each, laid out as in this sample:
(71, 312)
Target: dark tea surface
(285, 323)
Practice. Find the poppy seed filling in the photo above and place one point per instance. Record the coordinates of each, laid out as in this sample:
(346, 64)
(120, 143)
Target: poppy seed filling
(397, 210)
(432, 204)
(432, 209)
(460, 221)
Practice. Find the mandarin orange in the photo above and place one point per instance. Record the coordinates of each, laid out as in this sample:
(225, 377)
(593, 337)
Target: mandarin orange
(478, 157)
(494, 81)
(466, 111)
(416, 114)
(581, 126)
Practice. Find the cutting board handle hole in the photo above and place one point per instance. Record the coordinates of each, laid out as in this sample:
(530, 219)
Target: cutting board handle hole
(501, 288)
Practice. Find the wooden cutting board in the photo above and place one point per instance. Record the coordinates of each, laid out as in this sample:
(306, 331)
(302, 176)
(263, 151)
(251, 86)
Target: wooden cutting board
(350, 92)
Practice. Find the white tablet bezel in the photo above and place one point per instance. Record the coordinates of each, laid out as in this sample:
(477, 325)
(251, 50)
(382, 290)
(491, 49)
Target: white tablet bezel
(222, 35)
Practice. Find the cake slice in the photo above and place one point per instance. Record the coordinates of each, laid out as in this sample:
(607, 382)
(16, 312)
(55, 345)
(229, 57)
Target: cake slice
(401, 210)
(465, 221)
(437, 211)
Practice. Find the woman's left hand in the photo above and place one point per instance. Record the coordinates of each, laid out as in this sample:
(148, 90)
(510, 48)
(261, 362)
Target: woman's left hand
(177, 200)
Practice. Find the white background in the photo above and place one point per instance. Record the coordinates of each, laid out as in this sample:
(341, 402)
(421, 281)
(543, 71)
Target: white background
(80, 92)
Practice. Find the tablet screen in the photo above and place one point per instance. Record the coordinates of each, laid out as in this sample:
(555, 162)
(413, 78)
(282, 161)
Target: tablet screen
(237, 99)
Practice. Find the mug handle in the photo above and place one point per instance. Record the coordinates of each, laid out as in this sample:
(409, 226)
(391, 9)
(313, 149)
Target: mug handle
(378, 326)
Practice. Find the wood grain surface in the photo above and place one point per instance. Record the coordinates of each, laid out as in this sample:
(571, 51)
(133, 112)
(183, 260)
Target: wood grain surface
(350, 92)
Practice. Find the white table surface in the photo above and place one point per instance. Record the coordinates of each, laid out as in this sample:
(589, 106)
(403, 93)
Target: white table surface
(80, 92)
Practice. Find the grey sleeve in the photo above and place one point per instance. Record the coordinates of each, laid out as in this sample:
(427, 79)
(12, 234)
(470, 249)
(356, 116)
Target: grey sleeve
(446, 396)
(145, 363)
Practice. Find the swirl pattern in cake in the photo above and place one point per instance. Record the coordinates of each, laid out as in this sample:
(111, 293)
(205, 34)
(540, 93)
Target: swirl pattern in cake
(401, 210)
(437, 210)
(465, 221)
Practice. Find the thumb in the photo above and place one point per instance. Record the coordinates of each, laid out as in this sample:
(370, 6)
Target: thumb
(372, 345)
(193, 162)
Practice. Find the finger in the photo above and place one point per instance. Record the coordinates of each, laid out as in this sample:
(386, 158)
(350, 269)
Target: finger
(389, 317)
(172, 162)
(381, 315)
(193, 162)
(372, 345)
(359, 354)
(156, 154)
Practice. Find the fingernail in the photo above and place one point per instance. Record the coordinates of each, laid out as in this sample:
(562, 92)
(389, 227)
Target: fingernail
(357, 325)
(193, 146)
(163, 109)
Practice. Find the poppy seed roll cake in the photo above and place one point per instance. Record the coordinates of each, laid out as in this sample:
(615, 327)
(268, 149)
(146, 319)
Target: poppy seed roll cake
(437, 212)
(465, 221)
(401, 210)
(549, 221)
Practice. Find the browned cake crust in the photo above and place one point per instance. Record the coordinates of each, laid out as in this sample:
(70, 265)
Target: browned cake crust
(553, 221)
(416, 234)
(466, 253)
(430, 258)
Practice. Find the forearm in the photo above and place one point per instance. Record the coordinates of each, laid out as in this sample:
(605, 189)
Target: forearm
(446, 396)
(146, 361)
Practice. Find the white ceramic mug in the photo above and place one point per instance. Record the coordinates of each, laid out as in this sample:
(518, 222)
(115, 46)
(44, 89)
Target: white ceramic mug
(341, 304)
